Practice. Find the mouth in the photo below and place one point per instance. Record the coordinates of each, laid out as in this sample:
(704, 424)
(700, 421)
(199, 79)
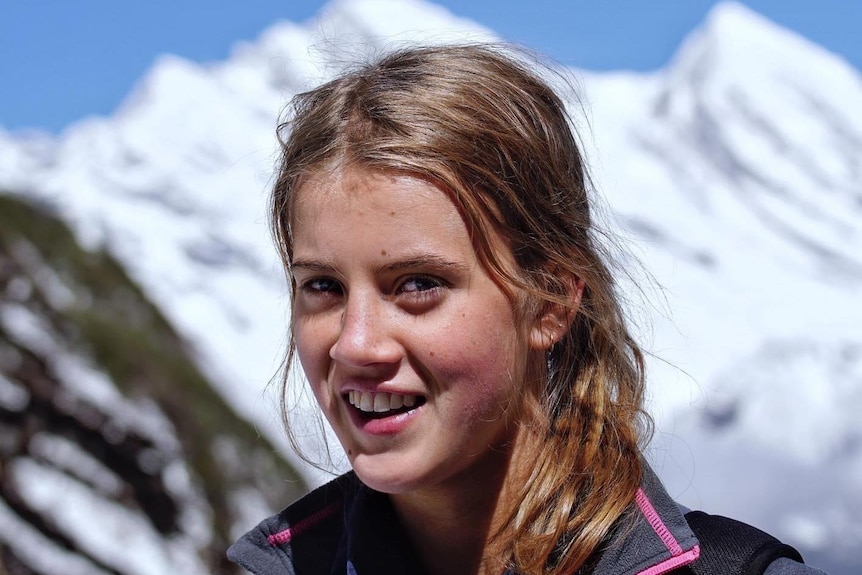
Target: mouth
(377, 405)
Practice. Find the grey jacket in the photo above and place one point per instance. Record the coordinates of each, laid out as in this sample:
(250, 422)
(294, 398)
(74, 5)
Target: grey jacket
(345, 528)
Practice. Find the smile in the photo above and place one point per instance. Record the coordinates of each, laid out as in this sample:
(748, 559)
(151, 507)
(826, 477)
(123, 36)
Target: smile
(382, 402)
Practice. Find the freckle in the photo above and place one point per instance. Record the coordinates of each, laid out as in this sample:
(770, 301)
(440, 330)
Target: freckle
(392, 213)
(382, 252)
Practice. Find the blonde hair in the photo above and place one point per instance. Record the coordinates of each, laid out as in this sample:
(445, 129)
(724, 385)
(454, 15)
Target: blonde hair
(484, 128)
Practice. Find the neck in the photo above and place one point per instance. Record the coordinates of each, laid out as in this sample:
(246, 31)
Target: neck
(452, 525)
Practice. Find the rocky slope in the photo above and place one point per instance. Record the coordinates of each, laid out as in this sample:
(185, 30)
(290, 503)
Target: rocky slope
(117, 456)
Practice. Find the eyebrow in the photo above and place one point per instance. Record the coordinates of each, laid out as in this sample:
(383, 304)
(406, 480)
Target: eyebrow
(311, 265)
(423, 261)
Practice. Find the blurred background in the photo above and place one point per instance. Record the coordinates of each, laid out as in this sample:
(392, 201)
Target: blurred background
(143, 312)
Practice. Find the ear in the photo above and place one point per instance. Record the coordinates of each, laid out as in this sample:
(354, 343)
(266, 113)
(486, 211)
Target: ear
(556, 319)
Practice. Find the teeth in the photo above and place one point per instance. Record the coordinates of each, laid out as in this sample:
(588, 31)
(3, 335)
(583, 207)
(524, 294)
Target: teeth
(379, 402)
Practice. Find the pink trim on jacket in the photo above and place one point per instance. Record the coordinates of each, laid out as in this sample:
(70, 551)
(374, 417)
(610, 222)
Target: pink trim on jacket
(678, 556)
(286, 535)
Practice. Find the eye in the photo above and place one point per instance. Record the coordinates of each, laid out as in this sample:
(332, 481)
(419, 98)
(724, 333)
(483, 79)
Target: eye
(420, 294)
(321, 286)
(418, 284)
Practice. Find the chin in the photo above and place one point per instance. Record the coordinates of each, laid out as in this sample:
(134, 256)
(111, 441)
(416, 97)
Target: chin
(390, 477)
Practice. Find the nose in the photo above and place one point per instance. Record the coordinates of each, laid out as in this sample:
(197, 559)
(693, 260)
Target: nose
(366, 335)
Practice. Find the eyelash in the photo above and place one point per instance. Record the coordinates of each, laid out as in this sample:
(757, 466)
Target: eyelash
(430, 284)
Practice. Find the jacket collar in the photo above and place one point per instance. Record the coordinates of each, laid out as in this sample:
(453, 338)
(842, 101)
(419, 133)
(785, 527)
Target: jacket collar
(355, 531)
(652, 538)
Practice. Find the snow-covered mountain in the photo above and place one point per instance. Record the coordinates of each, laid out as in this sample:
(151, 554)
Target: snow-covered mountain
(736, 171)
(739, 169)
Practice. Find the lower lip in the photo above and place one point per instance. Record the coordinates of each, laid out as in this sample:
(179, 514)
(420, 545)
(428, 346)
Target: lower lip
(383, 425)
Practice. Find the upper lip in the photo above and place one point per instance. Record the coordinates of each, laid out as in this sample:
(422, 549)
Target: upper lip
(377, 388)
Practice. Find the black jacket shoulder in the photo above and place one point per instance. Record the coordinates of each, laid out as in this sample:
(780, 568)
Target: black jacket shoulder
(303, 538)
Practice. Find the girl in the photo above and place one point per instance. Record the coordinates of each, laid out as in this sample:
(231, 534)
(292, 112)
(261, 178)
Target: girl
(461, 333)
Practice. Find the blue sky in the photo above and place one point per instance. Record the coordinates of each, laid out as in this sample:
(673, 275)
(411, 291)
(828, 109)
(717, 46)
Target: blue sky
(61, 60)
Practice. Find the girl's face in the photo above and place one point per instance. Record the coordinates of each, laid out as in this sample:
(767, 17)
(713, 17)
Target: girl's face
(413, 352)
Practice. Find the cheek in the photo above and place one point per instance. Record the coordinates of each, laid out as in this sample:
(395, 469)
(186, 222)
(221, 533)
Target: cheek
(313, 337)
(305, 353)
(313, 354)
(480, 369)
(494, 344)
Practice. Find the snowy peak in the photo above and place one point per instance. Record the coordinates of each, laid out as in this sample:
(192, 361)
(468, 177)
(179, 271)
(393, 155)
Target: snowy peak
(737, 46)
(347, 32)
(397, 21)
(204, 113)
(735, 24)
(171, 79)
(777, 118)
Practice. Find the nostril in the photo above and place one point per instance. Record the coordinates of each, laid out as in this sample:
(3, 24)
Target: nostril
(362, 343)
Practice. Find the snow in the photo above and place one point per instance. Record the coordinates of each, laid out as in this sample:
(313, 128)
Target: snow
(86, 515)
(737, 170)
(68, 456)
(38, 551)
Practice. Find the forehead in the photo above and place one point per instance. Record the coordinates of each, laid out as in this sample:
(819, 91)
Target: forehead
(363, 191)
(356, 209)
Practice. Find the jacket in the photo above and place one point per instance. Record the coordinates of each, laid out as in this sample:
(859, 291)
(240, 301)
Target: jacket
(345, 528)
